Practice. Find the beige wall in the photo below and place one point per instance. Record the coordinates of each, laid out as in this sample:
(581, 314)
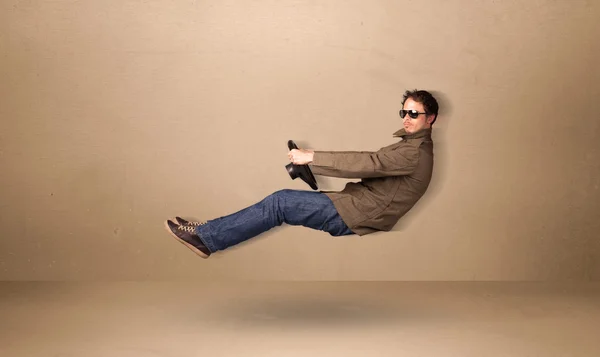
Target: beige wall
(118, 114)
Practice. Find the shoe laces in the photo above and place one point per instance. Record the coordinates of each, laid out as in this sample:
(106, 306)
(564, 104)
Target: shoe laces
(195, 224)
(186, 228)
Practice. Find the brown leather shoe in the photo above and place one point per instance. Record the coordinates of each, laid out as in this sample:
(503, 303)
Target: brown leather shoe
(186, 235)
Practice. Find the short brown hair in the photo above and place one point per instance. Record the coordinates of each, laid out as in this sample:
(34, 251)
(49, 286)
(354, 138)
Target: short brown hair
(424, 97)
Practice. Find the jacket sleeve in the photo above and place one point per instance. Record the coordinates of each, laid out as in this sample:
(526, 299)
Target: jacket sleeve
(363, 164)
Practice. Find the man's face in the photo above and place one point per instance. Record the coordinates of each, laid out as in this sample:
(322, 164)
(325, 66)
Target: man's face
(423, 121)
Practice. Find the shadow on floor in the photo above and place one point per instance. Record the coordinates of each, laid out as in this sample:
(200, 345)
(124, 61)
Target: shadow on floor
(307, 312)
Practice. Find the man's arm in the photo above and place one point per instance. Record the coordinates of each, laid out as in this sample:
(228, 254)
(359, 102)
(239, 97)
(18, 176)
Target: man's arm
(363, 164)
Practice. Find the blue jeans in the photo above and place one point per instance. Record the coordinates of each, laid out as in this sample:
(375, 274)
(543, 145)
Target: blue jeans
(295, 207)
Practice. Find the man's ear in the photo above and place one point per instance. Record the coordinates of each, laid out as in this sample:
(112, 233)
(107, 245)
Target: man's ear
(430, 119)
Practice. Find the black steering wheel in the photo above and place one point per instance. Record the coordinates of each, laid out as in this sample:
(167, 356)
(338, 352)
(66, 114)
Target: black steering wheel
(302, 171)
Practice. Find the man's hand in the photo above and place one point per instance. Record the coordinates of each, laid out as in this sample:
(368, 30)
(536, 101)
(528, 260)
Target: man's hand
(301, 156)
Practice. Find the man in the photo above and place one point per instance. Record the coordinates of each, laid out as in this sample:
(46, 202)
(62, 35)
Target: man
(393, 179)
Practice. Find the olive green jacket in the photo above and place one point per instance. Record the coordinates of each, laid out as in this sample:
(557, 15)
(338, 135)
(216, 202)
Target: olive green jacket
(393, 179)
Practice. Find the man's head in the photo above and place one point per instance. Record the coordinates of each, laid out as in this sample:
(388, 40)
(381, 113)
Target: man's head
(419, 110)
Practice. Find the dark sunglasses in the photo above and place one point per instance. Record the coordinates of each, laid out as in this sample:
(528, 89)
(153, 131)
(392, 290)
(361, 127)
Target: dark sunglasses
(411, 113)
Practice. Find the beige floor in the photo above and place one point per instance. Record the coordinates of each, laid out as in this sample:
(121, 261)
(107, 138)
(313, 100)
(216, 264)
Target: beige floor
(299, 319)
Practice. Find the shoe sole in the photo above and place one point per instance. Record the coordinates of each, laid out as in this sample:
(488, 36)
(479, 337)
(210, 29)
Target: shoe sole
(191, 247)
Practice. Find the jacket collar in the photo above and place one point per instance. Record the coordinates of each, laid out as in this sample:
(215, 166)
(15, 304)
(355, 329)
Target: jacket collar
(419, 134)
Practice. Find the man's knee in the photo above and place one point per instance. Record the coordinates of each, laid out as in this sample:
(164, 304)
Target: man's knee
(282, 192)
(275, 204)
(279, 196)
(276, 198)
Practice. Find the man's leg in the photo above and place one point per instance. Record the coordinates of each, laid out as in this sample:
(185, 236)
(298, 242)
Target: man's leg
(294, 207)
